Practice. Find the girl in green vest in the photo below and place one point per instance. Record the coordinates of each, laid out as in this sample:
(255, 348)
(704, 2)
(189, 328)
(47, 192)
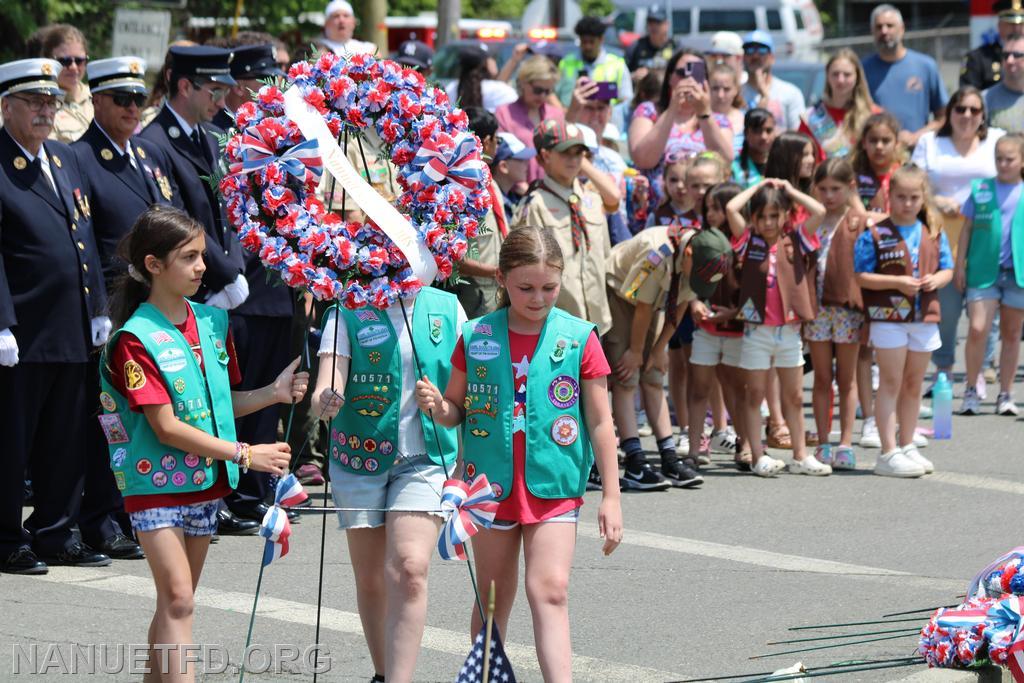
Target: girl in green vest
(528, 385)
(990, 266)
(169, 415)
(388, 463)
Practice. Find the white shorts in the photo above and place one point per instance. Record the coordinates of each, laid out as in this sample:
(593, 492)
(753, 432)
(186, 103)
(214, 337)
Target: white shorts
(767, 346)
(711, 349)
(922, 337)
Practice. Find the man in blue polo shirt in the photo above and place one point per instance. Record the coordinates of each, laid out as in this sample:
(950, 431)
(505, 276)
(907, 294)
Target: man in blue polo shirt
(904, 82)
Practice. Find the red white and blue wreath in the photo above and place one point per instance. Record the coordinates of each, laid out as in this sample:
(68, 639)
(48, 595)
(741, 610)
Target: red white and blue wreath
(270, 191)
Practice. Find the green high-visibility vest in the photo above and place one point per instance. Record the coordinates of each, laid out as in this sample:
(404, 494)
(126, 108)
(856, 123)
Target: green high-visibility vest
(364, 434)
(141, 464)
(987, 237)
(611, 68)
(558, 451)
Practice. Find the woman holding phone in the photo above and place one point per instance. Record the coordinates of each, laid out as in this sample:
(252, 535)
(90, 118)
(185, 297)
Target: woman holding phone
(679, 123)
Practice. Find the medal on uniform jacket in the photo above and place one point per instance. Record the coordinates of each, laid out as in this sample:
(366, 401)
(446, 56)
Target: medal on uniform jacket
(173, 132)
(163, 184)
(141, 152)
(56, 160)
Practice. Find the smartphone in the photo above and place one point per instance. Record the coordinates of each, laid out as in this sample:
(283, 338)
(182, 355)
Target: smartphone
(606, 91)
(697, 71)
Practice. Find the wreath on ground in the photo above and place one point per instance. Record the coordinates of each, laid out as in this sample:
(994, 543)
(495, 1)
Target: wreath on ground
(270, 190)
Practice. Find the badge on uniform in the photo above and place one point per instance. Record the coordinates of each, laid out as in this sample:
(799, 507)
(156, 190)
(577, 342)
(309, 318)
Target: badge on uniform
(107, 401)
(563, 392)
(179, 385)
(83, 203)
(559, 351)
(565, 430)
(118, 458)
(20, 163)
(163, 183)
(56, 160)
(113, 428)
(106, 154)
(484, 349)
(374, 357)
(134, 377)
(222, 354)
(141, 152)
(119, 480)
(173, 132)
(435, 329)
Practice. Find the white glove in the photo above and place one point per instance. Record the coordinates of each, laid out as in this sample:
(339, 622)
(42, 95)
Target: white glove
(8, 349)
(237, 292)
(101, 327)
(219, 300)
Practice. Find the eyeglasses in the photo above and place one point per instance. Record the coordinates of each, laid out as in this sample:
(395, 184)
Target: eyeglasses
(68, 61)
(964, 109)
(541, 92)
(127, 99)
(36, 104)
(756, 50)
(215, 93)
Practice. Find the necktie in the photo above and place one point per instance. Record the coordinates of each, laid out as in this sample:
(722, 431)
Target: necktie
(580, 236)
(498, 207)
(45, 173)
(200, 141)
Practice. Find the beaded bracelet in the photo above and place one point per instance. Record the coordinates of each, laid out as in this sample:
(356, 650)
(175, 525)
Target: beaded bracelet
(243, 455)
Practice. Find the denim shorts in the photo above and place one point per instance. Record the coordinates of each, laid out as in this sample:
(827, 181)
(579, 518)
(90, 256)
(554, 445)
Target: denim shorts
(412, 484)
(198, 519)
(1005, 290)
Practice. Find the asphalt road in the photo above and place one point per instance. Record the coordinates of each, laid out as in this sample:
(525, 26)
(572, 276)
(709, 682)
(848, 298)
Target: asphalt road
(703, 579)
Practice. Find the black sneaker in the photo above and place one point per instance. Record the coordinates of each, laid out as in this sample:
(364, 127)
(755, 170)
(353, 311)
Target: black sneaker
(680, 473)
(640, 476)
(594, 480)
(77, 555)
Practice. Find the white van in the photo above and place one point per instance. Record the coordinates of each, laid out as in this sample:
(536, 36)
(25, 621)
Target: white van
(795, 25)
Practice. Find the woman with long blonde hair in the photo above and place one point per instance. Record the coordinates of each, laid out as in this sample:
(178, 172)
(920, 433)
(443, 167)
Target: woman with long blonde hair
(835, 122)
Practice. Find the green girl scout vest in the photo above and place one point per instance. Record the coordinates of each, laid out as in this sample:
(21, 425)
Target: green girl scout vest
(364, 435)
(558, 452)
(141, 464)
(987, 237)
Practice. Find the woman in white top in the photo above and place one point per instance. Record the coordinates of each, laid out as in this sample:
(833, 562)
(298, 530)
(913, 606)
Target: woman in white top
(962, 151)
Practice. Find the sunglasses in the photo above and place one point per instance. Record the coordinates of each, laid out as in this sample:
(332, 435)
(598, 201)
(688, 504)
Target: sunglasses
(127, 99)
(964, 109)
(1013, 53)
(68, 61)
(541, 92)
(756, 50)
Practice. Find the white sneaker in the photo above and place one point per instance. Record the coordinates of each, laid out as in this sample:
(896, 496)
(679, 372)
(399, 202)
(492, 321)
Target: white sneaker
(869, 437)
(1005, 405)
(920, 440)
(724, 441)
(768, 466)
(683, 442)
(982, 387)
(810, 466)
(971, 404)
(896, 464)
(874, 377)
(915, 456)
(644, 430)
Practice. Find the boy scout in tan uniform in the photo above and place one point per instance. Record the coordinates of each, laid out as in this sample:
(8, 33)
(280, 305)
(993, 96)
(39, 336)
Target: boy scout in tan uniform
(577, 219)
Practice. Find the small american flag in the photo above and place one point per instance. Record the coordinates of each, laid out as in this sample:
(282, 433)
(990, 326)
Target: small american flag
(472, 670)
(367, 316)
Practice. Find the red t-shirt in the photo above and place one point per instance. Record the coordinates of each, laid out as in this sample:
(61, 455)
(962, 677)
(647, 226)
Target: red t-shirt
(521, 505)
(154, 392)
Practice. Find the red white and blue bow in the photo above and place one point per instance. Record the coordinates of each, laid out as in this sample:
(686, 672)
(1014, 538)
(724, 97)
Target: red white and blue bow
(1004, 631)
(275, 526)
(456, 159)
(471, 506)
(256, 154)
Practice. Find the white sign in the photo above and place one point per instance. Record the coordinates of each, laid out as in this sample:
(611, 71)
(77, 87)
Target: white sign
(142, 33)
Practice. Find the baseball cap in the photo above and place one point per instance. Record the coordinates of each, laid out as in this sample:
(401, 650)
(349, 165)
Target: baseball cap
(759, 37)
(657, 13)
(511, 147)
(557, 135)
(711, 256)
(611, 132)
(589, 137)
(415, 54)
(726, 43)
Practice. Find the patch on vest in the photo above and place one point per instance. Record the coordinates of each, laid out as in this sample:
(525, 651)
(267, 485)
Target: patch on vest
(113, 428)
(484, 349)
(107, 401)
(178, 479)
(118, 458)
(565, 430)
(134, 377)
(160, 337)
(983, 195)
(563, 392)
(144, 467)
(168, 462)
(191, 460)
(902, 307)
(159, 479)
(119, 480)
(373, 335)
(198, 477)
(179, 385)
(371, 465)
(482, 433)
(171, 360)
(749, 313)
(385, 448)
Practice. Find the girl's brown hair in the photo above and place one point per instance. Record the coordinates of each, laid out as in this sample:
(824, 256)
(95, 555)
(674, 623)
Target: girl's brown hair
(157, 232)
(725, 70)
(1014, 139)
(768, 196)
(785, 157)
(861, 162)
(528, 246)
(719, 195)
(862, 105)
(837, 169)
(909, 175)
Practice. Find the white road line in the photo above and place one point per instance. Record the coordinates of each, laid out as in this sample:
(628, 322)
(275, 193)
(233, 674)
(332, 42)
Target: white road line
(437, 639)
(973, 482)
(767, 558)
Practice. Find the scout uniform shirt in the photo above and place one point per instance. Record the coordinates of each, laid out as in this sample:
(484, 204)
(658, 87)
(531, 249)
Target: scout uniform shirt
(583, 279)
(640, 269)
(478, 295)
(74, 117)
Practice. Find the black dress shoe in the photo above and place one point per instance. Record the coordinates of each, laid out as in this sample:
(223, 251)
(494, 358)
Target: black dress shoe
(23, 561)
(78, 555)
(120, 547)
(249, 509)
(230, 525)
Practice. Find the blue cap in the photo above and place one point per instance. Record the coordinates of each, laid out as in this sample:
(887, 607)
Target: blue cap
(759, 38)
(511, 147)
